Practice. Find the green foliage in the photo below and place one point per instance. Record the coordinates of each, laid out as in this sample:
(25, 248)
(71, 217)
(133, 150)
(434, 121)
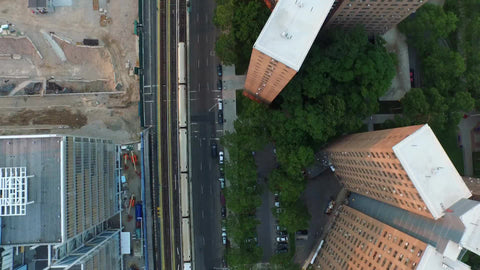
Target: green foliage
(430, 24)
(241, 22)
(472, 259)
(225, 48)
(294, 216)
(243, 259)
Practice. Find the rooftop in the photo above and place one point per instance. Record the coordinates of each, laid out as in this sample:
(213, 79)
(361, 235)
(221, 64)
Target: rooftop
(436, 233)
(40, 155)
(291, 29)
(431, 171)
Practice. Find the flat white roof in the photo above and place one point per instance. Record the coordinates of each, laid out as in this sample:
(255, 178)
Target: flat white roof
(433, 260)
(291, 29)
(431, 171)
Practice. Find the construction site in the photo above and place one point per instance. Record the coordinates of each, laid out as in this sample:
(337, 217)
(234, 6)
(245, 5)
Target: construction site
(69, 68)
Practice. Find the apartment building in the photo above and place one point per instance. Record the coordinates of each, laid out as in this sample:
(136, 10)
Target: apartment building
(378, 16)
(282, 46)
(405, 167)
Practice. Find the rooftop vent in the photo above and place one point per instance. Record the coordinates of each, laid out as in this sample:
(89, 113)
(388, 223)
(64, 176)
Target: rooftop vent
(286, 35)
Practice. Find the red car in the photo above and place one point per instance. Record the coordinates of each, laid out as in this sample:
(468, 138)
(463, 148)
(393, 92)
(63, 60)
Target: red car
(330, 206)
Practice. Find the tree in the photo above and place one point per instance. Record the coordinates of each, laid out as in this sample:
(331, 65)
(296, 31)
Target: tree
(443, 69)
(294, 217)
(430, 24)
(225, 48)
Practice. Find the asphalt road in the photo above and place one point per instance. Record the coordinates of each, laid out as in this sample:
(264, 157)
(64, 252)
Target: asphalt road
(208, 248)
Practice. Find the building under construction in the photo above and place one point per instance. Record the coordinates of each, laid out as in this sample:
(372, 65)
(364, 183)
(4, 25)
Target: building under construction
(61, 193)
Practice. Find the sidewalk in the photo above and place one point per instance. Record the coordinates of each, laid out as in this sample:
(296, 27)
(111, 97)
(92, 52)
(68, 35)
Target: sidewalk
(231, 83)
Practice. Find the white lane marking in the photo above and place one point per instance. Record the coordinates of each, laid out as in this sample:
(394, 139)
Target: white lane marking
(207, 61)
(198, 38)
(217, 91)
(203, 214)
(201, 189)
(203, 237)
(201, 169)
(198, 17)
(208, 85)
(199, 87)
(198, 63)
(219, 130)
(193, 99)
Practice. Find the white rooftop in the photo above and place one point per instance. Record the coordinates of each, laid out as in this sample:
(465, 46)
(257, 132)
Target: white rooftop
(13, 191)
(431, 171)
(433, 260)
(291, 29)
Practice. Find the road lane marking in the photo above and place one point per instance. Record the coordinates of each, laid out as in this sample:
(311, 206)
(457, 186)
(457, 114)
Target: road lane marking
(208, 85)
(198, 63)
(207, 61)
(203, 214)
(201, 188)
(199, 87)
(198, 38)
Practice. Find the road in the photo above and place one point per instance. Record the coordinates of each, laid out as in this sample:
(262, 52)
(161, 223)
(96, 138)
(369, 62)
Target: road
(208, 248)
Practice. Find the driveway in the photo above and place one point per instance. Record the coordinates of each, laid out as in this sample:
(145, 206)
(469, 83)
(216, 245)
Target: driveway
(266, 162)
(318, 192)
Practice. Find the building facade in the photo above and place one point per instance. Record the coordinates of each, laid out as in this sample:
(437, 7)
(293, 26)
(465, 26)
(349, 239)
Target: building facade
(283, 44)
(357, 241)
(377, 16)
(405, 167)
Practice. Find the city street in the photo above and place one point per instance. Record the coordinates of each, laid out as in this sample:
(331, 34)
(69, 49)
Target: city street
(203, 95)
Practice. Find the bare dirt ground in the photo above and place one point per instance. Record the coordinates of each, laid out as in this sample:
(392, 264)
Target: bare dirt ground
(113, 116)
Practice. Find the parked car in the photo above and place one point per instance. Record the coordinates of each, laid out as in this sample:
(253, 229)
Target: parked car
(220, 104)
(214, 150)
(224, 238)
(277, 204)
(222, 182)
(412, 76)
(219, 85)
(280, 228)
(282, 233)
(281, 250)
(282, 239)
(220, 117)
(330, 206)
(224, 212)
(220, 157)
(219, 70)
(282, 245)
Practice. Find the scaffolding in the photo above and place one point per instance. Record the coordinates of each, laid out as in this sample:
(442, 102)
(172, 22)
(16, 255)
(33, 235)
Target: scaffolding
(13, 191)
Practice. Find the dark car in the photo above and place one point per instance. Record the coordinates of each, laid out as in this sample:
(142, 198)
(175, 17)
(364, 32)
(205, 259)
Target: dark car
(220, 117)
(224, 212)
(282, 233)
(214, 150)
(219, 84)
(281, 250)
(219, 70)
(412, 75)
(282, 245)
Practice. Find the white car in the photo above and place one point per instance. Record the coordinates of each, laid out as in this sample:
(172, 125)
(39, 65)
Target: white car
(220, 157)
(277, 204)
(281, 239)
(224, 238)
(222, 182)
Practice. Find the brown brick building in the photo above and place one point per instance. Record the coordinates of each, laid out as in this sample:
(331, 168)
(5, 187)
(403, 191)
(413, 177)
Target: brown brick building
(473, 185)
(282, 46)
(357, 241)
(404, 167)
(378, 16)
(266, 77)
